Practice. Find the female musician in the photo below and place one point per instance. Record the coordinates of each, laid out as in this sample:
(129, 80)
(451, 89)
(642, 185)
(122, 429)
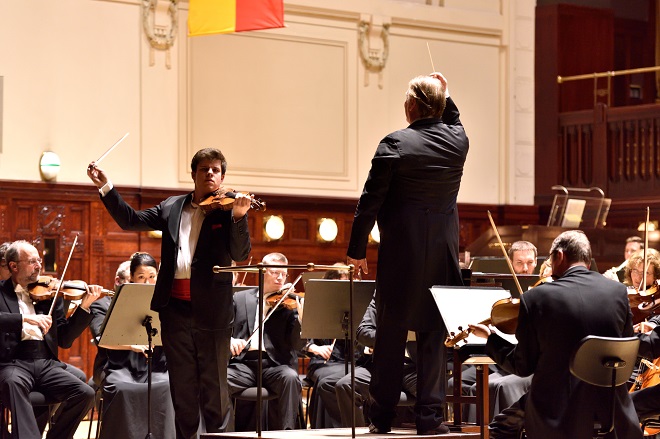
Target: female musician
(124, 385)
(634, 270)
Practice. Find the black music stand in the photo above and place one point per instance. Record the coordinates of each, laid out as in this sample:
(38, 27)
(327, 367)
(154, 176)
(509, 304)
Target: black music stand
(129, 321)
(260, 268)
(328, 305)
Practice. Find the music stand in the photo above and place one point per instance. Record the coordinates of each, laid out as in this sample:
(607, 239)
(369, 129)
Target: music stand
(260, 269)
(327, 301)
(327, 306)
(130, 321)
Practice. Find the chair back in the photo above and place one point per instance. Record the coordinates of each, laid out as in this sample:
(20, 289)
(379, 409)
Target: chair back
(595, 359)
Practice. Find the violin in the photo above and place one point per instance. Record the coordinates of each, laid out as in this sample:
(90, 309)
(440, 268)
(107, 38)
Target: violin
(46, 286)
(223, 199)
(504, 312)
(644, 304)
(503, 315)
(289, 302)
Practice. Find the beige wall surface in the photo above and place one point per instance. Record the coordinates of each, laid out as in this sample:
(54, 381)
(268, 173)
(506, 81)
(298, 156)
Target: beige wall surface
(296, 110)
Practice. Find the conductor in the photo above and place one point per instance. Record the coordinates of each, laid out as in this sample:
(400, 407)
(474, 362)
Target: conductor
(411, 189)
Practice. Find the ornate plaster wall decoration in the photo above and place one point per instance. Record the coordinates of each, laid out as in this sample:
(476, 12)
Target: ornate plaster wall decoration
(160, 36)
(374, 43)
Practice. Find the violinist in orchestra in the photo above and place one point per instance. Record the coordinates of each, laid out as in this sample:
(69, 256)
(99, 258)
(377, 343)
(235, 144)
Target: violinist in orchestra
(553, 318)
(42, 413)
(32, 333)
(194, 304)
(411, 190)
(124, 374)
(633, 245)
(523, 257)
(281, 344)
(634, 275)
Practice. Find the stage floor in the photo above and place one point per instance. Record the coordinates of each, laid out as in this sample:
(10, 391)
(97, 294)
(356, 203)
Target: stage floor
(328, 433)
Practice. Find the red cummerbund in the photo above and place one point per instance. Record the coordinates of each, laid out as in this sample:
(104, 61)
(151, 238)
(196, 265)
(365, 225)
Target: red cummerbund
(181, 289)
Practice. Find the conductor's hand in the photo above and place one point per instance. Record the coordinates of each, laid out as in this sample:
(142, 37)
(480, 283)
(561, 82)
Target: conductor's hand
(97, 175)
(241, 205)
(236, 346)
(439, 76)
(43, 321)
(479, 330)
(93, 294)
(322, 351)
(360, 266)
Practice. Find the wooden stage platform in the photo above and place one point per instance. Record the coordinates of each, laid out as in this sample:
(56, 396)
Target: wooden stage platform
(332, 433)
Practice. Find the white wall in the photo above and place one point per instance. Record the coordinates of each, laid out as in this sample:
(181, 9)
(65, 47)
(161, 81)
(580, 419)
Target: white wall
(293, 109)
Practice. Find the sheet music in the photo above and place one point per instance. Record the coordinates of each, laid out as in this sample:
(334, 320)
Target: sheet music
(460, 306)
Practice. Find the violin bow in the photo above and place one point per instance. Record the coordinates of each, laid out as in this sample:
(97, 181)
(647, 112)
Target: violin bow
(332, 348)
(105, 154)
(642, 286)
(256, 330)
(506, 256)
(73, 247)
(245, 272)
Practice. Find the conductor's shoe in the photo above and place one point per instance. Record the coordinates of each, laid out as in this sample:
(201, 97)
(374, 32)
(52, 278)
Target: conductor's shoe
(440, 429)
(374, 429)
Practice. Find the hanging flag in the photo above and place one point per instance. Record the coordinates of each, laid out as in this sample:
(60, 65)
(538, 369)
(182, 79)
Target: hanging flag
(207, 17)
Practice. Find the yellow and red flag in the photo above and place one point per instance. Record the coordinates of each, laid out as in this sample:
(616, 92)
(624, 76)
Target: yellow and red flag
(207, 17)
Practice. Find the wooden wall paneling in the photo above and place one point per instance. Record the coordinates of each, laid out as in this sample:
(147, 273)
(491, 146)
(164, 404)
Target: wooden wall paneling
(5, 232)
(586, 45)
(546, 103)
(570, 40)
(634, 47)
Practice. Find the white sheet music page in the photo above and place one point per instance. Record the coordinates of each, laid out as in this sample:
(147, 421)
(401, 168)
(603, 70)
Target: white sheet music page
(460, 306)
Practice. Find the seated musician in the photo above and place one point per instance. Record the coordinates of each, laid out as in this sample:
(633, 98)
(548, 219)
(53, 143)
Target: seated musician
(634, 269)
(29, 358)
(523, 257)
(503, 388)
(633, 245)
(42, 413)
(647, 399)
(552, 320)
(124, 374)
(327, 362)
(337, 394)
(281, 343)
